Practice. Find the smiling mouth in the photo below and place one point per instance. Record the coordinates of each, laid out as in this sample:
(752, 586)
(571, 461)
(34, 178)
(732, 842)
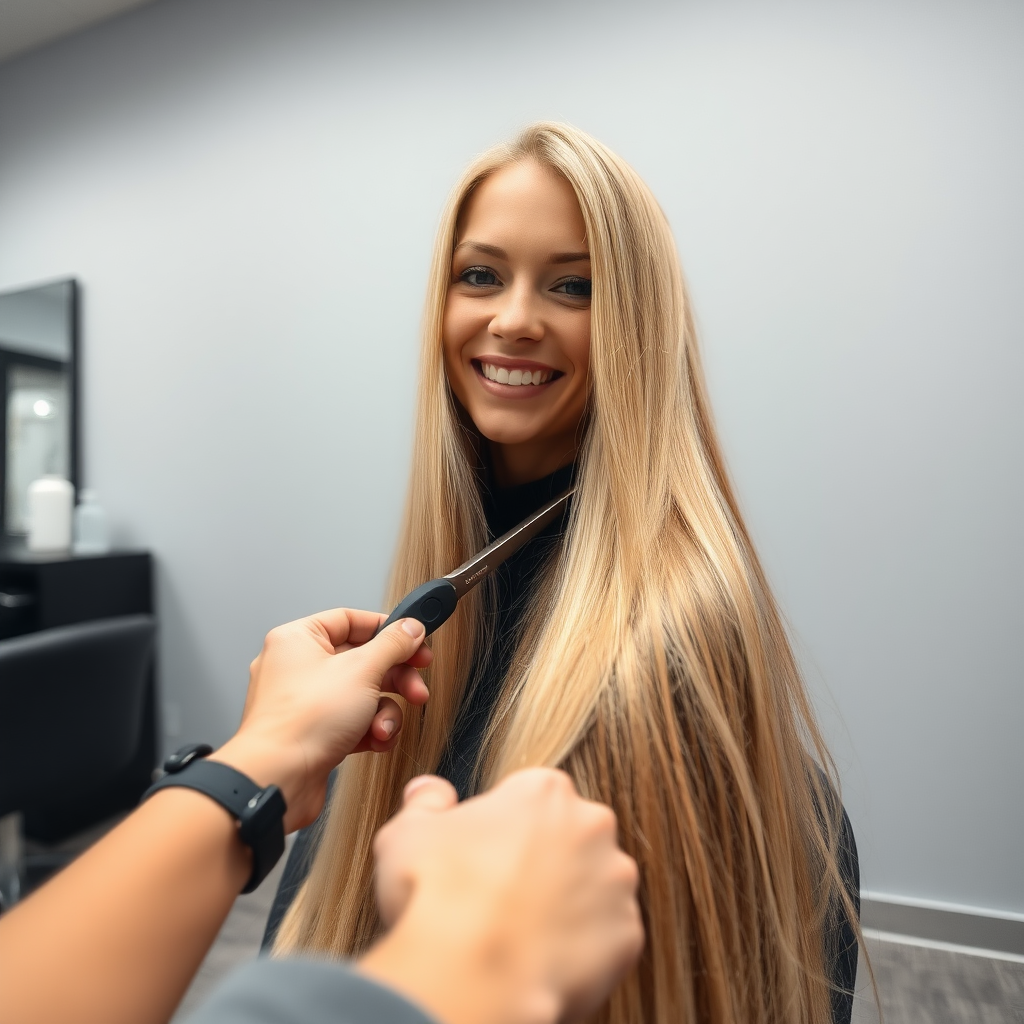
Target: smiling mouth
(515, 377)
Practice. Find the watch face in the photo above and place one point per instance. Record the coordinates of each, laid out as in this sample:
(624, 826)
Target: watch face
(261, 826)
(263, 813)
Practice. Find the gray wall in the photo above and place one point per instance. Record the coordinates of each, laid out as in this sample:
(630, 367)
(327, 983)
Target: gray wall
(247, 191)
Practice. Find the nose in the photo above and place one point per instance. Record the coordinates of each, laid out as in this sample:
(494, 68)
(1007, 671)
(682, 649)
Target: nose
(518, 315)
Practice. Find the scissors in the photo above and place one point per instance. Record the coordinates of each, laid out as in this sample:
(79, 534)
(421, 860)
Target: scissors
(433, 602)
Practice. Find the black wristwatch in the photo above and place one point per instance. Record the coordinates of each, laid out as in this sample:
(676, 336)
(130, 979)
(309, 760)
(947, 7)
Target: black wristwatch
(260, 812)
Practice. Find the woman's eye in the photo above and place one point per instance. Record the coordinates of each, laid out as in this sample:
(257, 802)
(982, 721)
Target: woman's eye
(576, 287)
(479, 277)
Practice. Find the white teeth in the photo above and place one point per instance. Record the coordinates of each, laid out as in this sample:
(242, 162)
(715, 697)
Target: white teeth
(515, 377)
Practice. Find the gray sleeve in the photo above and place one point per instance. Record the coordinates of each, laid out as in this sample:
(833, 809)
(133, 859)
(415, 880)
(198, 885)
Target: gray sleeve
(298, 991)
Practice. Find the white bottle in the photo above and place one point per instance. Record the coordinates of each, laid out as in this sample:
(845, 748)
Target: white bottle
(91, 534)
(50, 500)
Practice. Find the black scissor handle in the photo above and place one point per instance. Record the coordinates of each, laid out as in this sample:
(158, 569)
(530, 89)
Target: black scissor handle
(432, 604)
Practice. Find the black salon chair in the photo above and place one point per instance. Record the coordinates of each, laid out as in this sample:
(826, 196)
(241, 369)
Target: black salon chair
(71, 717)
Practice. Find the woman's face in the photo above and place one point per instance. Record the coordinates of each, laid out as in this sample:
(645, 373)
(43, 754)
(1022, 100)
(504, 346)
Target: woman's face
(517, 319)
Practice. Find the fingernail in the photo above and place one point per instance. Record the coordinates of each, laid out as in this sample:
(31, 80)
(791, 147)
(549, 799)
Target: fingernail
(387, 727)
(412, 626)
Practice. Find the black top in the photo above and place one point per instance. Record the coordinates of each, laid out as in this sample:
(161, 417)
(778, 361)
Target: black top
(513, 586)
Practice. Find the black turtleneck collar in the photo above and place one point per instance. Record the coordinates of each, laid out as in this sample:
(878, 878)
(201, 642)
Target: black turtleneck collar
(505, 507)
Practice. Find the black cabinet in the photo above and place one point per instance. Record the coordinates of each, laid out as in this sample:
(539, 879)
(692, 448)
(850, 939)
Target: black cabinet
(42, 591)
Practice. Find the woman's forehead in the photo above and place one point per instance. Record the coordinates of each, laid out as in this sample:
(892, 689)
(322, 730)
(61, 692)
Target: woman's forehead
(523, 202)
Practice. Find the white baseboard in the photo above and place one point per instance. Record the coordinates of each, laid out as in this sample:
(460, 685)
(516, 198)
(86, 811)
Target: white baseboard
(948, 925)
(946, 947)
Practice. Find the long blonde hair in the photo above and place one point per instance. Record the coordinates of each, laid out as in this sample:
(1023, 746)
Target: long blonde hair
(654, 667)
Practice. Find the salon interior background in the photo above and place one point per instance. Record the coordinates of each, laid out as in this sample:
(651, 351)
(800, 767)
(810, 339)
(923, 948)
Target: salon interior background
(248, 191)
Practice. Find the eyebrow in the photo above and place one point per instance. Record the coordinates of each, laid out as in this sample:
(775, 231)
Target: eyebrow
(498, 253)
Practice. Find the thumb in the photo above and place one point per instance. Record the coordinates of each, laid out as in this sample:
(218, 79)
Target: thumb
(392, 646)
(429, 793)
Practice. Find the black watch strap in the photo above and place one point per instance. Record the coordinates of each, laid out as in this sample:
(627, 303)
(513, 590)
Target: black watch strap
(260, 812)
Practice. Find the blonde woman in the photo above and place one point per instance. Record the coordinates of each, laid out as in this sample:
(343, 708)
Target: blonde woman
(636, 643)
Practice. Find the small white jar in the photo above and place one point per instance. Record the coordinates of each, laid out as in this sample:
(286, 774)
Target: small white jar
(50, 501)
(92, 536)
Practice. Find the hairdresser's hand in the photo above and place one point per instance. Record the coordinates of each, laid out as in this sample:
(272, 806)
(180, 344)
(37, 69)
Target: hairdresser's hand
(316, 696)
(518, 903)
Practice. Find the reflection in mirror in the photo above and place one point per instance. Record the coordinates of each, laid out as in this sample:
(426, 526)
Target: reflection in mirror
(38, 343)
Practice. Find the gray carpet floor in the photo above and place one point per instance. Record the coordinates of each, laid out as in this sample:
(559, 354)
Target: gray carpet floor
(916, 985)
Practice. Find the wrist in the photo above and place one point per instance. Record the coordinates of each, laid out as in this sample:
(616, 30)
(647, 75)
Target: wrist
(267, 764)
(460, 967)
(258, 810)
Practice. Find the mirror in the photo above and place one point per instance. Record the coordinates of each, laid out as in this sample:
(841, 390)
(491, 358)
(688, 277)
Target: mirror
(39, 371)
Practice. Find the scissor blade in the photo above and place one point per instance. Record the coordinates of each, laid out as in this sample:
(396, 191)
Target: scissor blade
(470, 573)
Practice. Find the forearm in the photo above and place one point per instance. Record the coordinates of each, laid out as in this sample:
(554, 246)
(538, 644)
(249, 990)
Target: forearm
(119, 934)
